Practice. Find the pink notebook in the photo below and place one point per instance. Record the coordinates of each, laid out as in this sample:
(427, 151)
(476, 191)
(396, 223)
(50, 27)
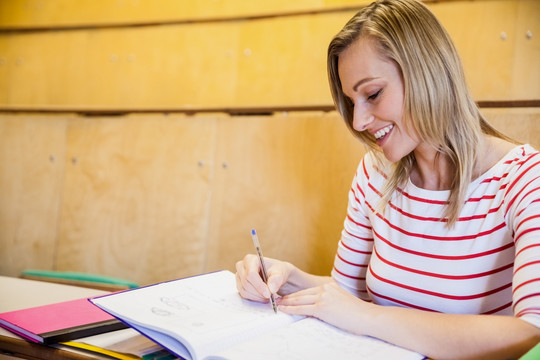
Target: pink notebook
(58, 322)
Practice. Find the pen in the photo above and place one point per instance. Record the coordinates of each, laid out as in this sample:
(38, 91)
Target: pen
(261, 259)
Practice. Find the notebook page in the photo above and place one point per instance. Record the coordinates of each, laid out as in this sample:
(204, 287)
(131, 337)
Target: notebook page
(315, 340)
(204, 312)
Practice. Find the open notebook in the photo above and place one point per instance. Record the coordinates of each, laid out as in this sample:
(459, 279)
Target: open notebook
(203, 317)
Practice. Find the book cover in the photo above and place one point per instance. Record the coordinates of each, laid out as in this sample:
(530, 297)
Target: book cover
(204, 317)
(57, 322)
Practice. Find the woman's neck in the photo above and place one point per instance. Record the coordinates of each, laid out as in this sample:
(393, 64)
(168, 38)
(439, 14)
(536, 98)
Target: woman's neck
(433, 170)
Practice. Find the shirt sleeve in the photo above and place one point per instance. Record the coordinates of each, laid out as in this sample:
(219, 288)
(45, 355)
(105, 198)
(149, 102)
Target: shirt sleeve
(356, 243)
(524, 219)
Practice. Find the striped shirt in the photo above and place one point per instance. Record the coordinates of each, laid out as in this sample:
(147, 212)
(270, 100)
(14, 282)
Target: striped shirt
(488, 263)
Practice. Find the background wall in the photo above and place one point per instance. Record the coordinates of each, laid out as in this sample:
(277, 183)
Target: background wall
(145, 142)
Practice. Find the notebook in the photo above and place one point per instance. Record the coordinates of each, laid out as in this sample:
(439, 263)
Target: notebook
(203, 317)
(58, 322)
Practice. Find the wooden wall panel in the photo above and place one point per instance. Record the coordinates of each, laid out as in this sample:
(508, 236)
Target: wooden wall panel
(521, 124)
(500, 62)
(268, 62)
(136, 196)
(288, 177)
(526, 66)
(154, 197)
(32, 152)
(201, 66)
(477, 35)
(121, 68)
(137, 203)
(283, 60)
(27, 14)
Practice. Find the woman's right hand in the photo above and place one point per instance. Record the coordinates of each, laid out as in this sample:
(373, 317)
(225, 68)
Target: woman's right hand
(249, 280)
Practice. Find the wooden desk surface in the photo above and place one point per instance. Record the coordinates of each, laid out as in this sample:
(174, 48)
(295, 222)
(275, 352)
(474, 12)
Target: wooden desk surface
(22, 293)
(16, 294)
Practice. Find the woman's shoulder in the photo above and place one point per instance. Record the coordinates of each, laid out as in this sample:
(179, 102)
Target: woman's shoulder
(498, 154)
(374, 165)
(527, 158)
(519, 154)
(521, 162)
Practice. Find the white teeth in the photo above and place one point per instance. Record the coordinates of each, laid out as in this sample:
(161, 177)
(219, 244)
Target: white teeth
(380, 134)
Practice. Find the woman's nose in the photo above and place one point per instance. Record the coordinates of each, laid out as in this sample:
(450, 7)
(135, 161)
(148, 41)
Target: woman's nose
(361, 119)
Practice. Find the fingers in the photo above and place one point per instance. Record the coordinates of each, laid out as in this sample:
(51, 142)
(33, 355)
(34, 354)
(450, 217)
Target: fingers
(247, 291)
(248, 281)
(302, 310)
(300, 303)
(275, 280)
(315, 301)
(302, 297)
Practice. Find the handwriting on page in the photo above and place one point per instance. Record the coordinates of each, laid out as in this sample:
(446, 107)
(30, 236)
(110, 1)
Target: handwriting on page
(200, 305)
(198, 313)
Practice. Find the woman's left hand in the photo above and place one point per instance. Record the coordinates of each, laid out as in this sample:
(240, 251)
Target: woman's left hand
(329, 303)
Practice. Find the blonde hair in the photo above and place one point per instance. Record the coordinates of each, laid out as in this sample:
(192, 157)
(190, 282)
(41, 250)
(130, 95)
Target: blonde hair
(437, 102)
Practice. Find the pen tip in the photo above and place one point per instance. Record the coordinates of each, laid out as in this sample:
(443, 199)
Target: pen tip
(252, 231)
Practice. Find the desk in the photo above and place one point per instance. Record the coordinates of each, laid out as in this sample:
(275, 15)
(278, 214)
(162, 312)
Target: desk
(16, 294)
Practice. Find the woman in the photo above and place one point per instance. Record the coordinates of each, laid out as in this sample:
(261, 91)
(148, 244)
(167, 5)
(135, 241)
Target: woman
(440, 251)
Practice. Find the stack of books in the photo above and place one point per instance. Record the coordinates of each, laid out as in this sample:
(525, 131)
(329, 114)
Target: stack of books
(81, 326)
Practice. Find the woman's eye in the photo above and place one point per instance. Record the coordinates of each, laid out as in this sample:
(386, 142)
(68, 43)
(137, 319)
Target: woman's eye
(375, 95)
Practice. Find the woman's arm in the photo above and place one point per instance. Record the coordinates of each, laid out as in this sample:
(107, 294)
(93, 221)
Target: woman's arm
(454, 336)
(437, 335)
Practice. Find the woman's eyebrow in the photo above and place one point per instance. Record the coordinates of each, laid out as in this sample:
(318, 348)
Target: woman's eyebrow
(363, 81)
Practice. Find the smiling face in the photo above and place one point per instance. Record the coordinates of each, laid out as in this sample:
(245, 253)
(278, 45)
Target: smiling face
(375, 88)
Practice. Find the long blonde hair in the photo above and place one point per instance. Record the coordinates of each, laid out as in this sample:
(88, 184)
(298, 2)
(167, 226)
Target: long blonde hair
(437, 102)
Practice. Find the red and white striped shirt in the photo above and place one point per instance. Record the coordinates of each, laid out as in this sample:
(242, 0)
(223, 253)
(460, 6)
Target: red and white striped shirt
(488, 263)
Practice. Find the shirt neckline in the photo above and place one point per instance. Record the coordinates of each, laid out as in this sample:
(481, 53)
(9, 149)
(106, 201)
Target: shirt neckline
(443, 194)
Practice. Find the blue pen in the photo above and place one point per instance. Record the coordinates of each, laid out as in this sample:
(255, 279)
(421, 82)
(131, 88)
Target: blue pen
(261, 259)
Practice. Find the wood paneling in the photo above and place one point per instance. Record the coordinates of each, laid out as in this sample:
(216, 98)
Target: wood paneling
(28, 14)
(526, 67)
(288, 177)
(283, 60)
(154, 197)
(204, 65)
(32, 153)
(266, 62)
(136, 196)
(522, 125)
(149, 198)
(500, 62)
